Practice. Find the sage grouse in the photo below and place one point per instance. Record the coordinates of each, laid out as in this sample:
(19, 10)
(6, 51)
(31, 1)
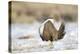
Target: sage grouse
(51, 30)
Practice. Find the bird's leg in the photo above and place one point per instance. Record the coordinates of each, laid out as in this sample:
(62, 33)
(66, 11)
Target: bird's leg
(50, 44)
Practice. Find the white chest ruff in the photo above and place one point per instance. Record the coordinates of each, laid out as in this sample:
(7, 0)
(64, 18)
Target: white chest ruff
(55, 23)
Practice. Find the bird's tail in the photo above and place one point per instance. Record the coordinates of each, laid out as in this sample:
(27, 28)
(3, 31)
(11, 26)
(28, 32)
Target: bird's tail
(61, 31)
(41, 34)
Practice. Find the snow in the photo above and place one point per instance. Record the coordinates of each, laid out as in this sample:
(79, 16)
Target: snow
(70, 40)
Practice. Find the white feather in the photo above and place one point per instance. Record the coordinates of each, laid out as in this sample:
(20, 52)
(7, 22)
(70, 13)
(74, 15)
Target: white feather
(55, 23)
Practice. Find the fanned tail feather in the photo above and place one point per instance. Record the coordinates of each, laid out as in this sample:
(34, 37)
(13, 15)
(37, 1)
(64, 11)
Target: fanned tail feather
(61, 31)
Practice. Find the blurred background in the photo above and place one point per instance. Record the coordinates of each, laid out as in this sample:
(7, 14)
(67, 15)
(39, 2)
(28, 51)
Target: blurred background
(27, 12)
(26, 18)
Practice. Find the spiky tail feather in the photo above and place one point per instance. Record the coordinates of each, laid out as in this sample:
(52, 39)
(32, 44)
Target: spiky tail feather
(61, 31)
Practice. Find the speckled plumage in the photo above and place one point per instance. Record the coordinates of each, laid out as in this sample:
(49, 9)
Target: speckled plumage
(50, 33)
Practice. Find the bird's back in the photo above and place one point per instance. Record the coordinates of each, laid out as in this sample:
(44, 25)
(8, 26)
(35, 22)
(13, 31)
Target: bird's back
(49, 31)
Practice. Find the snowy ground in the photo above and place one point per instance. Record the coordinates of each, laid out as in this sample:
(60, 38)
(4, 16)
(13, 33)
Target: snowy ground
(70, 40)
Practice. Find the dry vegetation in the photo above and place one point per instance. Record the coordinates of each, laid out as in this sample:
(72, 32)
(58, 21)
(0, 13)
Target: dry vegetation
(26, 37)
(27, 12)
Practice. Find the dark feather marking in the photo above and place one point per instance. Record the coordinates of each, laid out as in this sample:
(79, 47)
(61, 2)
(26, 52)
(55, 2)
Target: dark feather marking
(61, 31)
(42, 37)
(50, 32)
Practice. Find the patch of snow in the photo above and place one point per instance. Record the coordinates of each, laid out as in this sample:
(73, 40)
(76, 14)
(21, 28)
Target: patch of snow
(70, 40)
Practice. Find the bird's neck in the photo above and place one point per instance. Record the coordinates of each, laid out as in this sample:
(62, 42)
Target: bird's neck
(55, 23)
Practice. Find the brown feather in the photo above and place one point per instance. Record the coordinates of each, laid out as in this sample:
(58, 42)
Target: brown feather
(49, 31)
(61, 31)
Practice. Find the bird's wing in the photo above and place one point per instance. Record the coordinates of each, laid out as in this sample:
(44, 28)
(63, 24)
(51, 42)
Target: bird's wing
(61, 31)
(41, 34)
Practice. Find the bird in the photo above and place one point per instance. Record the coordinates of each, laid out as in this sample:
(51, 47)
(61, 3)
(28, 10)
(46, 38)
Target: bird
(51, 30)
